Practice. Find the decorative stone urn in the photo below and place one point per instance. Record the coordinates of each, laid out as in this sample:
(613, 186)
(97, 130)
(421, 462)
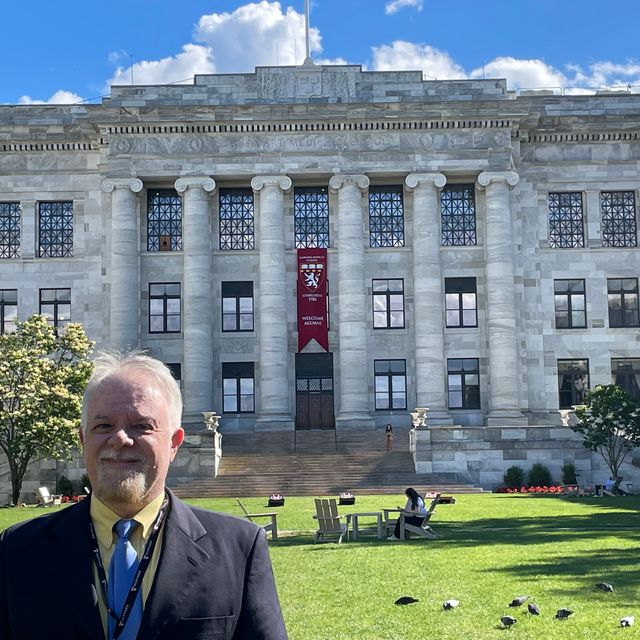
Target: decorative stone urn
(211, 420)
(565, 416)
(422, 417)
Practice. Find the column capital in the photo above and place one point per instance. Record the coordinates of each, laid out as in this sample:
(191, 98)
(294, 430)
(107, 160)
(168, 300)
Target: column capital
(186, 182)
(339, 180)
(510, 177)
(135, 184)
(414, 180)
(284, 182)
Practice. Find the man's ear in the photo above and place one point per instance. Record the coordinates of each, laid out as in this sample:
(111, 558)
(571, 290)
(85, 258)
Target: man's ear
(177, 439)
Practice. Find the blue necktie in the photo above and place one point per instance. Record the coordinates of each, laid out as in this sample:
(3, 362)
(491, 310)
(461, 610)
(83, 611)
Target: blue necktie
(122, 569)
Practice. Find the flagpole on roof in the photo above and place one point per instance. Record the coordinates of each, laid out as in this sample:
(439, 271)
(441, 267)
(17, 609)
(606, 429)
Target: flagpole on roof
(307, 59)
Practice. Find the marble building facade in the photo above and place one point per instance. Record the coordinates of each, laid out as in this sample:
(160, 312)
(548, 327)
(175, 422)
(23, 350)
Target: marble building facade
(481, 245)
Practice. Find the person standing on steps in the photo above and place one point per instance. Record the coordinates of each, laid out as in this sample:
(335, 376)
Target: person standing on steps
(389, 437)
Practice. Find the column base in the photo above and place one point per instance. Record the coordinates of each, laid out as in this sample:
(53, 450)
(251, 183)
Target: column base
(355, 421)
(506, 418)
(274, 422)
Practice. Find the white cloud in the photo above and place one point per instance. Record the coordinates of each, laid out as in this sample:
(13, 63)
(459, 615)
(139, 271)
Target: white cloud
(402, 55)
(59, 97)
(256, 34)
(193, 59)
(522, 74)
(395, 5)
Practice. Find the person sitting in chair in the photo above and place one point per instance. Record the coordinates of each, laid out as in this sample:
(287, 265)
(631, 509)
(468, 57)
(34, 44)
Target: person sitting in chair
(415, 504)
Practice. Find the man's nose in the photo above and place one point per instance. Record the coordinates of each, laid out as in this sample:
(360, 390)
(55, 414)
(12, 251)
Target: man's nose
(121, 437)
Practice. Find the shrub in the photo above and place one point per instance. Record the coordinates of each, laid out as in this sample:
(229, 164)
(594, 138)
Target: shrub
(569, 473)
(513, 477)
(539, 475)
(84, 482)
(64, 486)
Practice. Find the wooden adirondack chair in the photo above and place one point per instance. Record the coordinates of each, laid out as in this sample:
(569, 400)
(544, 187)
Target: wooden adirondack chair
(269, 526)
(329, 522)
(423, 530)
(46, 499)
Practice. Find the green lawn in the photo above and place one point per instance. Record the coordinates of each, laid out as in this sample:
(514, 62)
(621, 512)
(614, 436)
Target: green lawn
(494, 548)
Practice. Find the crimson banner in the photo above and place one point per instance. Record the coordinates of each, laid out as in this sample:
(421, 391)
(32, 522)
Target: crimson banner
(312, 298)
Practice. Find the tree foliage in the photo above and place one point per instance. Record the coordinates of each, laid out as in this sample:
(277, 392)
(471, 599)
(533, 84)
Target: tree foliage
(610, 424)
(42, 378)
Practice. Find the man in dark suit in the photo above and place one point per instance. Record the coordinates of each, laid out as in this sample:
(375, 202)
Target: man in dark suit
(134, 561)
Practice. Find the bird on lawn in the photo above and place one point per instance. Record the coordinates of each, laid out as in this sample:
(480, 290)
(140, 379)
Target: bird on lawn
(627, 621)
(561, 614)
(406, 600)
(604, 586)
(534, 610)
(519, 601)
(508, 621)
(450, 604)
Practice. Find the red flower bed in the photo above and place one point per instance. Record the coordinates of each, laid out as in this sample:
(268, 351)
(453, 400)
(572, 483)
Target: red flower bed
(553, 489)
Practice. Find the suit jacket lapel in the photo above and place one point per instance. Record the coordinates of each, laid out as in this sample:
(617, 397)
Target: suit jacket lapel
(68, 559)
(181, 562)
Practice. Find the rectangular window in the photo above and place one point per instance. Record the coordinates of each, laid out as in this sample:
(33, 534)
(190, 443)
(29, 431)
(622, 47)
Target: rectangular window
(566, 229)
(618, 210)
(390, 384)
(176, 370)
(460, 302)
(386, 217)
(570, 304)
(164, 307)
(8, 310)
(463, 383)
(238, 387)
(311, 217)
(237, 306)
(623, 302)
(164, 220)
(236, 219)
(9, 229)
(388, 304)
(55, 306)
(458, 215)
(55, 229)
(625, 372)
(573, 382)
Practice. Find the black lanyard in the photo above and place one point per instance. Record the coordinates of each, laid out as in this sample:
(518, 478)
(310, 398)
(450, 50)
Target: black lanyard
(143, 565)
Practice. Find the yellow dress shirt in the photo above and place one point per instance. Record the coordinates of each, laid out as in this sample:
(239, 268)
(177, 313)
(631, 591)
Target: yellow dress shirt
(103, 520)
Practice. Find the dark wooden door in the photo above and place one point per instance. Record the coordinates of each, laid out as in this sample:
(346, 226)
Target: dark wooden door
(314, 391)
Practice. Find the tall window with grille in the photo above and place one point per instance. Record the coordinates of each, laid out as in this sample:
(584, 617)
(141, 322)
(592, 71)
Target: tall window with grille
(570, 304)
(390, 384)
(386, 217)
(164, 220)
(458, 215)
(566, 225)
(573, 382)
(237, 306)
(164, 307)
(618, 210)
(625, 372)
(236, 219)
(8, 310)
(311, 217)
(461, 305)
(622, 296)
(388, 303)
(55, 229)
(463, 383)
(238, 394)
(55, 306)
(9, 229)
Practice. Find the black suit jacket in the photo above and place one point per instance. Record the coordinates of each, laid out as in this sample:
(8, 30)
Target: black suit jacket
(214, 580)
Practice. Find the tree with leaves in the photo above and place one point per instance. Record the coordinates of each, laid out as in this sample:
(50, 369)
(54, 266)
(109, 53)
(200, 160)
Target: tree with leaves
(609, 420)
(42, 378)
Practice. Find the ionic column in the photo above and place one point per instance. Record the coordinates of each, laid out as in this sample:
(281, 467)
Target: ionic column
(197, 309)
(504, 363)
(431, 370)
(352, 307)
(124, 270)
(275, 407)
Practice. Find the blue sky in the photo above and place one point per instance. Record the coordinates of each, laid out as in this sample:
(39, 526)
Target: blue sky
(72, 50)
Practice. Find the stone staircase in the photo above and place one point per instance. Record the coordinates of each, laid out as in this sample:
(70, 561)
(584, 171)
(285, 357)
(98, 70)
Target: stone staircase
(317, 463)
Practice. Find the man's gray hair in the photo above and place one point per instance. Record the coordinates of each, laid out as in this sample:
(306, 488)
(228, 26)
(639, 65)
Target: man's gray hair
(110, 363)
